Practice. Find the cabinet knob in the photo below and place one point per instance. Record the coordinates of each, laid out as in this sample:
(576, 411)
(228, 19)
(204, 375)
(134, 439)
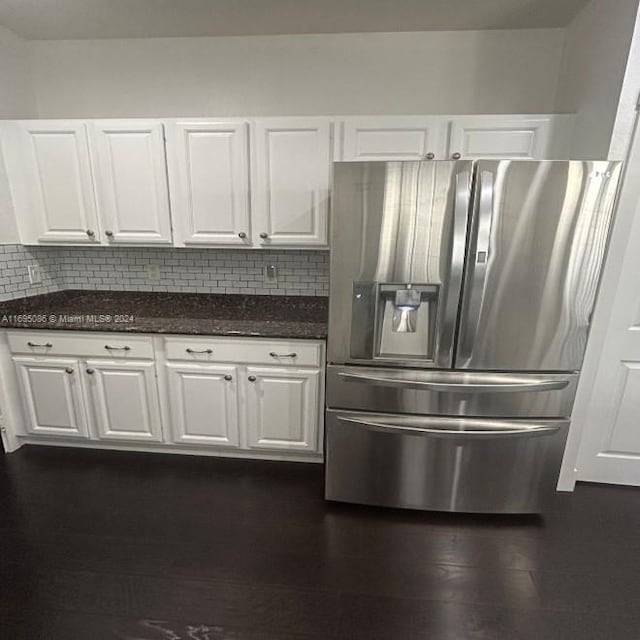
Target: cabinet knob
(91, 233)
(252, 378)
(109, 234)
(90, 371)
(456, 156)
(430, 156)
(264, 235)
(228, 378)
(242, 235)
(68, 370)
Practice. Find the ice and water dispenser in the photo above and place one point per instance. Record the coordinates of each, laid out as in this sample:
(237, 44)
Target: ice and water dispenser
(394, 321)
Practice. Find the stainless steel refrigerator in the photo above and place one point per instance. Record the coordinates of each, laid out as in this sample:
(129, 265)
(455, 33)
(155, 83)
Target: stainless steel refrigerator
(460, 301)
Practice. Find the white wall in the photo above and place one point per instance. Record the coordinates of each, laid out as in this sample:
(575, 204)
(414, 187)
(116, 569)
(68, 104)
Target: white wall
(593, 68)
(16, 101)
(626, 114)
(434, 72)
(16, 90)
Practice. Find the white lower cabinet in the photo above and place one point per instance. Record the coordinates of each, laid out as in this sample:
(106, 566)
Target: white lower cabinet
(123, 400)
(203, 401)
(209, 394)
(52, 396)
(282, 408)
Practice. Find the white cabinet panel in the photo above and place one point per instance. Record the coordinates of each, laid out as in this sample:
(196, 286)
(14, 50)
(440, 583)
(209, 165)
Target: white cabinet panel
(624, 436)
(203, 400)
(394, 138)
(282, 408)
(500, 137)
(300, 353)
(50, 177)
(52, 396)
(131, 181)
(81, 345)
(290, 192)
(209, 178)
(123, 400)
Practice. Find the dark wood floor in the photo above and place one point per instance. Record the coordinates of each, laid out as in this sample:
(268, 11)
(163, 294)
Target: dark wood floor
(99, 545)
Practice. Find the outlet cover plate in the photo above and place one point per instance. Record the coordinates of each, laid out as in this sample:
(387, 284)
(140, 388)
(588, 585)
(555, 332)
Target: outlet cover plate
(270, 274)
(35, 273)
(152, 271)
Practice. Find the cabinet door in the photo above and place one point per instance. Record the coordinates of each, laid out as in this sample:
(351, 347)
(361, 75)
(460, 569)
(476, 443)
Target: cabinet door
(123, 400)
(282, 408)
(203, 400)
(209, 179)
(394, 138)
(290, 194)
(499, 137)
(52, 396)
(131, 181)
(50, 179)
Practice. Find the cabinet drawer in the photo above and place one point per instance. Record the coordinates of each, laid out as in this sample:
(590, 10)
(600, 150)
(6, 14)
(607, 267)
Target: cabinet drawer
(54, 343)
(279, 352)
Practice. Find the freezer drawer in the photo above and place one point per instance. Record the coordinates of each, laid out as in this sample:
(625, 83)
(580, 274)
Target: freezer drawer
(453, 393)
(442, 464)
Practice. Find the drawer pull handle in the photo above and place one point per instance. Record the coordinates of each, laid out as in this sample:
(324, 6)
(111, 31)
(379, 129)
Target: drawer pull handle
(68, 370)
(252, 378)
(110, 348)
(48, 345)
(273, 354)
(90, 371)
(201, 351)
(228, 378)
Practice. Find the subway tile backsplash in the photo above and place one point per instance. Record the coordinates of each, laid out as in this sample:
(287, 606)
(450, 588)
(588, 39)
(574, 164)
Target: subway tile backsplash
(182, 270)
(14, 276)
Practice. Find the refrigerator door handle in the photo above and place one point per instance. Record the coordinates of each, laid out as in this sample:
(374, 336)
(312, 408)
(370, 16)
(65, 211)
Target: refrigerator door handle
(460, 387)
(526, 430)
(453, 290)
(478, 263)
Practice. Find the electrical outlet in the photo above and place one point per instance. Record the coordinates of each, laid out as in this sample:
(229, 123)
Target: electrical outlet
(35, 273)
(152, 271)
(270, 274)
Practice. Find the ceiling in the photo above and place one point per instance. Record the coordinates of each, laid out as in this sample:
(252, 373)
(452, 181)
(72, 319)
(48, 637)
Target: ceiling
(88, 19)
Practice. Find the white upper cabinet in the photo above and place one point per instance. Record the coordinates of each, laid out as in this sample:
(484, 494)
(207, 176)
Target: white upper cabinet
(501, 137)
(394, 138)
(50, 179)
(123, 400)
(209, 182)
(131, 180)
(291, 181)
(253, 183)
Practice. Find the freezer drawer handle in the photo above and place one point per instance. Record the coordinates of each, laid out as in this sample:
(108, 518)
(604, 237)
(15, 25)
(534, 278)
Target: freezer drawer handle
(523, 432)
(459, 387)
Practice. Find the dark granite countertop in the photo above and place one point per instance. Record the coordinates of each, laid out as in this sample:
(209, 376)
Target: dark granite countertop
(188, 313)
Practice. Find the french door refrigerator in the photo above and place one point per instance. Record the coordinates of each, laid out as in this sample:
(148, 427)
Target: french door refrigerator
(460, 301)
